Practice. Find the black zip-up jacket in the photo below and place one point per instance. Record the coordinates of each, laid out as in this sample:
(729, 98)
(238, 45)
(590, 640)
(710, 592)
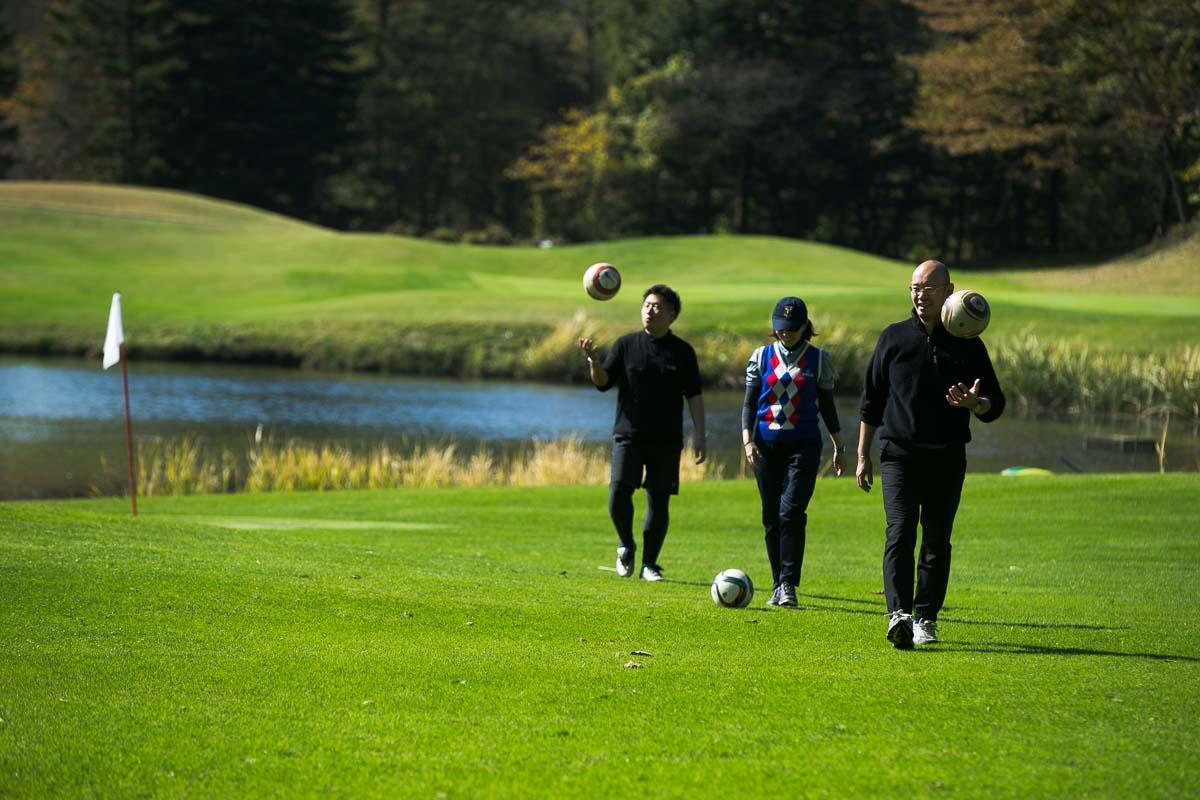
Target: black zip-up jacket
(904, 393)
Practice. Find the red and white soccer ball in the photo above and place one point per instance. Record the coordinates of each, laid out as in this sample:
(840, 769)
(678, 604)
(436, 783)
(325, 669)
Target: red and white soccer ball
(966, 314)
(602, 281)
(732, 589)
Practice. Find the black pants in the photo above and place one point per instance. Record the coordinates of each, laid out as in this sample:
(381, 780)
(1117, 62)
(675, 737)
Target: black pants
(654, 466)
(919, 485)
(786, 475)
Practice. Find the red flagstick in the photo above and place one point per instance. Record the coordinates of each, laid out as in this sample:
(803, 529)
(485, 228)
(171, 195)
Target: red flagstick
(129, 433)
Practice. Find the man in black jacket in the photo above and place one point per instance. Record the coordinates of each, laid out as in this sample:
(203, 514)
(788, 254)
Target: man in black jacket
(921, 388)
(654, 372)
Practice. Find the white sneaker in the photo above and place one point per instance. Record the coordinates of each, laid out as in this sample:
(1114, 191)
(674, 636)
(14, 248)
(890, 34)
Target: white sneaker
(624, 561)
(925, 631)
(650, 573)
(900, 630)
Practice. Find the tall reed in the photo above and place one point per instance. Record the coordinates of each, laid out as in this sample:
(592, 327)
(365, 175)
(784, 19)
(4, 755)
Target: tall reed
(185, 466)
(1067, 376)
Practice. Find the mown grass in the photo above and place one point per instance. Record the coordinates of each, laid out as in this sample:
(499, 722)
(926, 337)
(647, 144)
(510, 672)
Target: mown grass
(463, 643)
(204, 280)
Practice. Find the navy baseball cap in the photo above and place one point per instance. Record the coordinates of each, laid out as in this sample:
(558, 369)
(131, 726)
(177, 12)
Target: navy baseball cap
(790, 314)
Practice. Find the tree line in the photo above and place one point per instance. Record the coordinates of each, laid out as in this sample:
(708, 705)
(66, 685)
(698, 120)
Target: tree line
(971, 129)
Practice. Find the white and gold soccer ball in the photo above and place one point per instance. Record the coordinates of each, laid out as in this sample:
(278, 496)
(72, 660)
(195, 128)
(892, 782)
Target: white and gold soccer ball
(966, 314)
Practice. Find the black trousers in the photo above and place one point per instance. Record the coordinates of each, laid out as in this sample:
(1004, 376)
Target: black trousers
(654, 466)
(919, 485)
(786, 475)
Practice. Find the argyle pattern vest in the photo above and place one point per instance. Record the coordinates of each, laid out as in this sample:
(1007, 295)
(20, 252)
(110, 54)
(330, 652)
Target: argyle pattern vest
(787, 406)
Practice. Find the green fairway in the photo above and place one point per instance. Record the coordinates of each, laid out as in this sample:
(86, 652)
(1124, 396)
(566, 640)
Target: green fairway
(475, 643)
(203, 275)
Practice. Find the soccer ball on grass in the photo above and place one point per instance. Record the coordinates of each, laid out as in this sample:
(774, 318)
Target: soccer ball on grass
(732, 589)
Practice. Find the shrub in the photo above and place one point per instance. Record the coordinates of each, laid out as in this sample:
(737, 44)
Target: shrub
(401, 228)
(492, 234)
(444, 234)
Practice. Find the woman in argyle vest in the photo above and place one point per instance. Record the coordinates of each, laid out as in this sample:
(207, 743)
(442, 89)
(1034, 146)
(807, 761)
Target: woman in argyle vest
(789, 383)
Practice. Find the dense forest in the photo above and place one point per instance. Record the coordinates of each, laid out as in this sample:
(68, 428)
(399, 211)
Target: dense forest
(974, 129)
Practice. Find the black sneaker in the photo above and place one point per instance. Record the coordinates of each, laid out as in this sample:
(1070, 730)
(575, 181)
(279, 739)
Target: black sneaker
(787, 595)
(774, 599)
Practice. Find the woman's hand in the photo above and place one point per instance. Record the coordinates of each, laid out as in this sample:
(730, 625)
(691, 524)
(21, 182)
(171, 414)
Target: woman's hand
(752, 454)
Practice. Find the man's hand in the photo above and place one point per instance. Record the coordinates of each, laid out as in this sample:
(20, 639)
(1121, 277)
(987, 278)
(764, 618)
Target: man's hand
(865, 472)
(588, 347)
(700, 449)
(961, 396)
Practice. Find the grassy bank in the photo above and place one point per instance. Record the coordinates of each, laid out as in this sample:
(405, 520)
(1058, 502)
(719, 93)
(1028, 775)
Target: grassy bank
(213, 281)
(462, 642)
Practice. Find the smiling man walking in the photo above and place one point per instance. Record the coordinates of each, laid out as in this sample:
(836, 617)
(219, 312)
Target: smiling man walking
(653, 370)
(922, 387)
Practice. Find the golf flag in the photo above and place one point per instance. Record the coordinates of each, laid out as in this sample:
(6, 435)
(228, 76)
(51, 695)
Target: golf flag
(116, 333)
(114, 353)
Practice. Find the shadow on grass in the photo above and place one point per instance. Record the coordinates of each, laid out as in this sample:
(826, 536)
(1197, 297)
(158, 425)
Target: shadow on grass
(1073, 626)
(1050, 625)
(686, 583)
(1046, 650)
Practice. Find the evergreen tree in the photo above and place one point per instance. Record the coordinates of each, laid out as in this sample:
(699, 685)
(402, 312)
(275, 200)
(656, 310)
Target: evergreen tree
(9, 78)
(458, 89)
(256, 104)
(102, 55)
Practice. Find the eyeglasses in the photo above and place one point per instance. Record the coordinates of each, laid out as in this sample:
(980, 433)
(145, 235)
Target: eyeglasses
(925, 291)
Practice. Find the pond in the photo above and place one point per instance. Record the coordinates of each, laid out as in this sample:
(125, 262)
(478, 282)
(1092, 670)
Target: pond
(61, 420)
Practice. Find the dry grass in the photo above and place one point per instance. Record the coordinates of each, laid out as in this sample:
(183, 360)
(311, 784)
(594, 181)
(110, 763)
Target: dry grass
(555, 356)
(1063, 375)
(185, 466)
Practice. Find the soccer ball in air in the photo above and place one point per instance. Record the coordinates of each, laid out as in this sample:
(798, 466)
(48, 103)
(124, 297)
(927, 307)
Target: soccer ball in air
(732, 589)
(602, 281)
(966, 314)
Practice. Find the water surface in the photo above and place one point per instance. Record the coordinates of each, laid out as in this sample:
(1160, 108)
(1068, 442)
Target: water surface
(62, 421)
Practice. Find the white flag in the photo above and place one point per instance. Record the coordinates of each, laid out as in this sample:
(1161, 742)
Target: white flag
(116, 333)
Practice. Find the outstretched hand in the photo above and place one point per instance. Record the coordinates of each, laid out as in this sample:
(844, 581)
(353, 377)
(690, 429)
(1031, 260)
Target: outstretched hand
(961, 396)
(588, 347)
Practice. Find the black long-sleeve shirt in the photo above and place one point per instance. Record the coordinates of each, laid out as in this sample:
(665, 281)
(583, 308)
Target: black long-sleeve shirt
(910, 372)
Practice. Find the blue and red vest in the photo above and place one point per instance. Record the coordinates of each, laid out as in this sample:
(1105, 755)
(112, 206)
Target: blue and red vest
(787, 406)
